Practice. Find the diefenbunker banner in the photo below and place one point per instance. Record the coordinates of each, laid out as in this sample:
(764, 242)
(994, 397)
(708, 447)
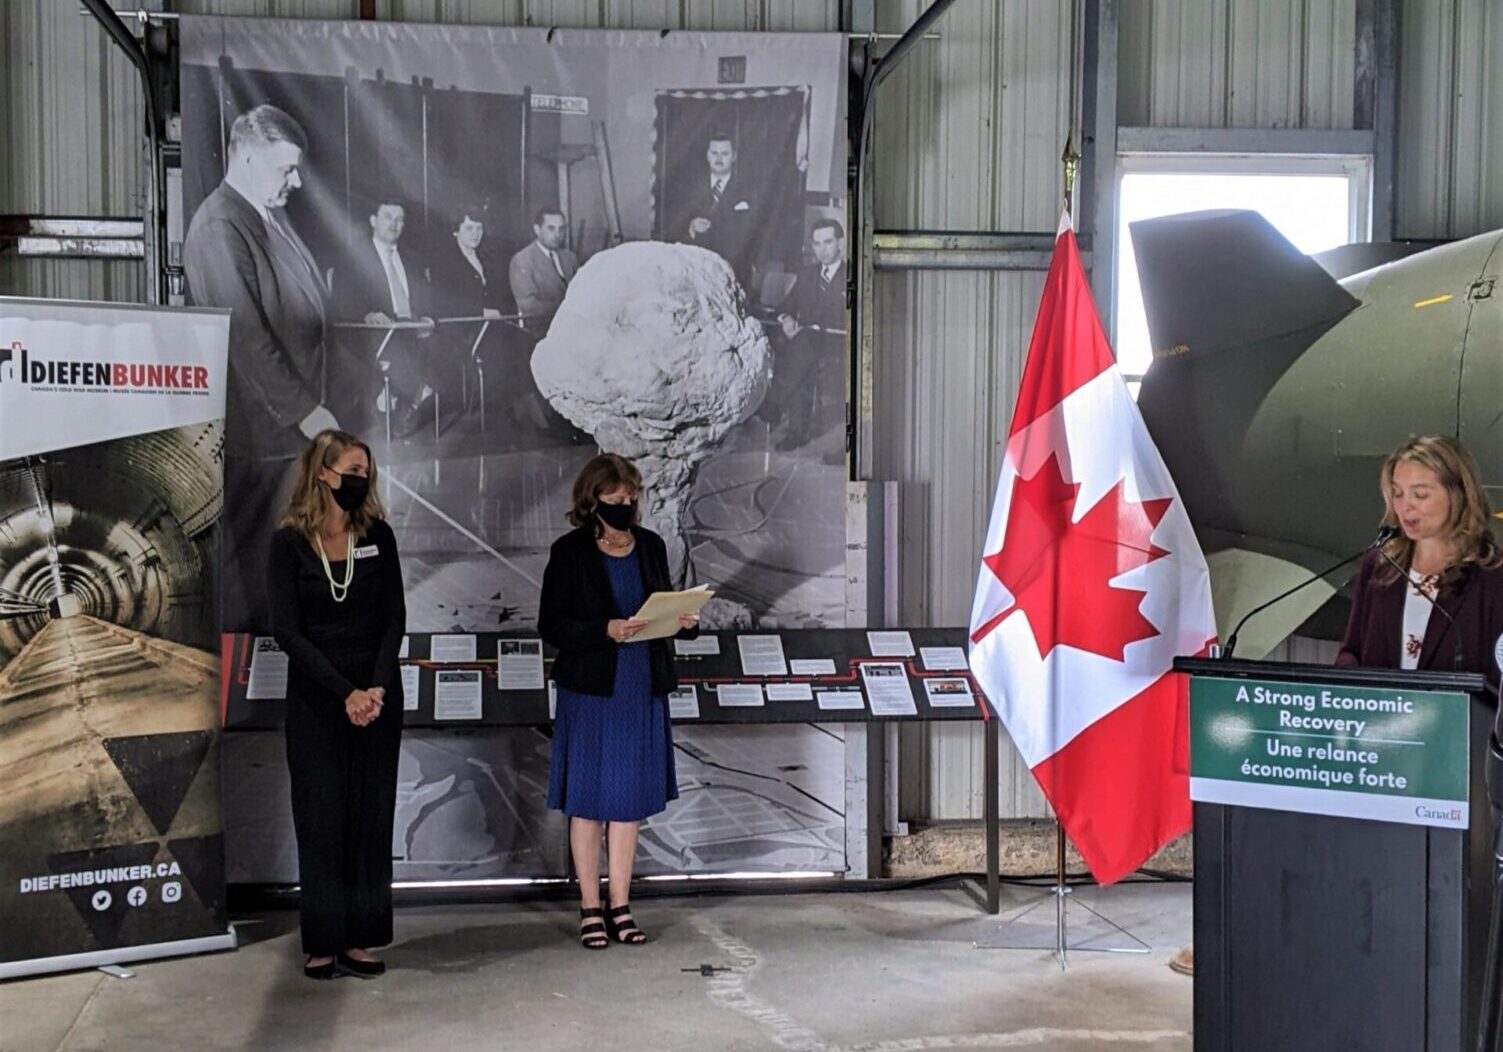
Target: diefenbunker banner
(111, 435)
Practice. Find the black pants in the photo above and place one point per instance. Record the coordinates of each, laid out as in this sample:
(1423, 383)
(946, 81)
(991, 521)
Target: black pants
(808, 379)
(344, 797)
(255, 496)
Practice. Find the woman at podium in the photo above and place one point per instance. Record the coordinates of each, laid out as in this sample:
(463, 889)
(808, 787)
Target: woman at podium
(612, 761)
(1432, 596)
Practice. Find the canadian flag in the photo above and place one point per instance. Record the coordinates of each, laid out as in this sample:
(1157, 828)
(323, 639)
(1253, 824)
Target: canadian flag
(1091, 584)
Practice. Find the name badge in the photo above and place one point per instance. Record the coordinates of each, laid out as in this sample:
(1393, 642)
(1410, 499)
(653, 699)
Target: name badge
(367, 551)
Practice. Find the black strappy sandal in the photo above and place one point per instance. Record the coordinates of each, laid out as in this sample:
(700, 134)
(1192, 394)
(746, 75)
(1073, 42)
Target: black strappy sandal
(625, 931)
(592, 928)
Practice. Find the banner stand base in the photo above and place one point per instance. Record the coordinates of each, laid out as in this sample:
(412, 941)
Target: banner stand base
(1104, 934)
(103, 959)
(1098, 934)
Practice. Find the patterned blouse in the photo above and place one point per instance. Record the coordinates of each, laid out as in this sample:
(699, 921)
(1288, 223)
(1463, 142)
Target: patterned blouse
(1417, 615)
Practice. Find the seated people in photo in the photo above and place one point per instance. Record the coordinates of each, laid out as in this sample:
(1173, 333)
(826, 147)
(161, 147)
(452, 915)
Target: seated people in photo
(378, 286)
(720, 212)
(809, 370)
(541, 272)
(467, 282)
(1445, 550)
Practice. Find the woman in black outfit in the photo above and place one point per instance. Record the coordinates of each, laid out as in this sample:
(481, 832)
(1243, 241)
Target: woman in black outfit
(612, 742)
(338, 612)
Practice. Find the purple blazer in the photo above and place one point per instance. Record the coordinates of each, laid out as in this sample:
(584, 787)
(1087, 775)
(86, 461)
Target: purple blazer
(1374, 631)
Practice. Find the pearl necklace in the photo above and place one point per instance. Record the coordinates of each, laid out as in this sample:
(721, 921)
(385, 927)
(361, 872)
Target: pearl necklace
(338, 589)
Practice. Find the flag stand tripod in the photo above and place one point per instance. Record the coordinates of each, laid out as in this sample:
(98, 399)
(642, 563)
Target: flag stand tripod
(1013, 933)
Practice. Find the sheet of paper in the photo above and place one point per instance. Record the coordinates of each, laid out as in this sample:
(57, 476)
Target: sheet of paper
(949, 693)
(887, 687)
(840, 699)
(890, 644)
(943, 659)
(707, 645)
(452, 647)
(789, 692)
(683, 704)
(739, 695)
(456, 694)
(405, 650)
(811, 666)
(519, 664)
(268, 671)
(662, 609)
(762, 656)
(411, 685)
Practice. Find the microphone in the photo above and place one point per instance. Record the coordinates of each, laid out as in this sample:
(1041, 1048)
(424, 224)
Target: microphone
(1385, 534)
(1457, 660)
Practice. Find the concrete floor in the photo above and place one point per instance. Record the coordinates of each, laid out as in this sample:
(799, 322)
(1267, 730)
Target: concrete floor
(876, 972)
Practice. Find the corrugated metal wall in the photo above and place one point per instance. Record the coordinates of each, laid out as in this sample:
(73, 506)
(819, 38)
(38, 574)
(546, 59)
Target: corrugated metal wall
(968, 135)
(69, 141)
(1450, 154)
(1237, 63)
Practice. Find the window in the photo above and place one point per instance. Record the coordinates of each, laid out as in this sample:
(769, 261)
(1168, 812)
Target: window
(1317, 203)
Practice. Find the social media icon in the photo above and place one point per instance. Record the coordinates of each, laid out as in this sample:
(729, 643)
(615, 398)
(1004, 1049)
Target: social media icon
(136, 896)
(172, 891)
(102, 900)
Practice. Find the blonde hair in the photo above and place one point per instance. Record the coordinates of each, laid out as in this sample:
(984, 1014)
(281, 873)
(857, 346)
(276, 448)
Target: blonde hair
(307, 509)
(602, 474)
(1468, 526)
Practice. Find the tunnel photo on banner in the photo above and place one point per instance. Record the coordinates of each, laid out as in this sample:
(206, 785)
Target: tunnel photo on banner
(492, 253)
(111, 842)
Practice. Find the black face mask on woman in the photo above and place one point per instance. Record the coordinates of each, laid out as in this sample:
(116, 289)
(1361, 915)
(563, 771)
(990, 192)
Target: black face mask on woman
(351, 492)
(617, 516)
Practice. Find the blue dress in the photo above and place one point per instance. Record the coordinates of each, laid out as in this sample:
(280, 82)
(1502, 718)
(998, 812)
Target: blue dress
(613, 757)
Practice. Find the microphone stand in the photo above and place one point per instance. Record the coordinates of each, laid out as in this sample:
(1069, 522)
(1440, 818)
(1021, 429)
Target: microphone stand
(1457, 660)
(1385, 534)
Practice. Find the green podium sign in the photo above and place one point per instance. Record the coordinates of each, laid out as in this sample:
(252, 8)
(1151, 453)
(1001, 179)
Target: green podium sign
(1347, 751)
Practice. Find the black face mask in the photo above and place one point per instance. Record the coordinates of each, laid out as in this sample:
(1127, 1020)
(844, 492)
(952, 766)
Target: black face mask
(352, 491)
(617, 516)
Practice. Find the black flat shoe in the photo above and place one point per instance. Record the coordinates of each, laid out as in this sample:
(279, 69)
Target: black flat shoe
(362, 969)
(319, 971)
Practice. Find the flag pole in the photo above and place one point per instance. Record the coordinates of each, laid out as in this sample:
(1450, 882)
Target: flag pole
(1000, 939)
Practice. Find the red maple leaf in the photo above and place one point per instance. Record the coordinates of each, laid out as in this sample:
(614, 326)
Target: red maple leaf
(1058, 571)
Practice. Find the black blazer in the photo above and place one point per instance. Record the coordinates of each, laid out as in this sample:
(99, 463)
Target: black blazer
(577, 602)
(277, 319)
(459, 292)
(808, 304)
(1376, 626)
(360, 285)
(736, 222)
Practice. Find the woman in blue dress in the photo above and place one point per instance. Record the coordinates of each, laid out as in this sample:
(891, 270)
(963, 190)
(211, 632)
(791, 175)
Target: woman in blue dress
(612, 741)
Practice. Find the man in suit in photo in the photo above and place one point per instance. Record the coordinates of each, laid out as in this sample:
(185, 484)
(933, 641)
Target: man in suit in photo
(541, 272)
(377, 286)
(242, 253)
(723, 214)
(809, 370)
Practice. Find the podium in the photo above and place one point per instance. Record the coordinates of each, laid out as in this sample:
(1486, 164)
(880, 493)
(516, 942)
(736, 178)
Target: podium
(1342, 856)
